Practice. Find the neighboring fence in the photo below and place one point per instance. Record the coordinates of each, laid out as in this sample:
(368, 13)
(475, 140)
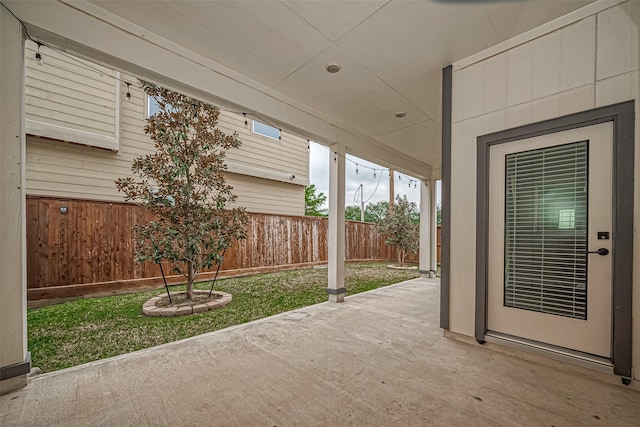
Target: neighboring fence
(89, 249)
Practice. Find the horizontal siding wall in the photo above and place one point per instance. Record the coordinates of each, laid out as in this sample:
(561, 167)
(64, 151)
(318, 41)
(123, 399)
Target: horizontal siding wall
(68, 93)
(61, 169)
(289, 155)
(265, 196)
(93, 243)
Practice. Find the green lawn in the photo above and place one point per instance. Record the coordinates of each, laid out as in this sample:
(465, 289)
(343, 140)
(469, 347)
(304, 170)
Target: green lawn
(81, 331)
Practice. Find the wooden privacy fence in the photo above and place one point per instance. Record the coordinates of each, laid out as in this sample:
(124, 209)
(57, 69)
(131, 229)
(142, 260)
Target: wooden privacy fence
(79, 247)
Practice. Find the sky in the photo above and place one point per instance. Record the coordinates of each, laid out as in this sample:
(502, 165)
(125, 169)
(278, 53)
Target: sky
(375, 188)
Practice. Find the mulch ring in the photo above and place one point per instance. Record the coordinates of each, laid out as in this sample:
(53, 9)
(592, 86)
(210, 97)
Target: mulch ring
(402, 267)
(201, 302)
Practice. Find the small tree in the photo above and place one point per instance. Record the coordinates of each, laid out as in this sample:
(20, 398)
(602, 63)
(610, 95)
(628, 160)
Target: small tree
(399, 229)
(352, 213)
(374, 212)
(313, 202)
(182, 183)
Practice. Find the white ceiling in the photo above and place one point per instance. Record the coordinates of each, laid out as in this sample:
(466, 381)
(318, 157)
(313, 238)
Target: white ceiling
(391, 52)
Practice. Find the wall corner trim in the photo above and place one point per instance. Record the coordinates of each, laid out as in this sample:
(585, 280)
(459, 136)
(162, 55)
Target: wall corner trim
(445, 247)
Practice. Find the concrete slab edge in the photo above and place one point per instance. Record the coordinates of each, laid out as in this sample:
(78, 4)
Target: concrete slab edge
(139, 353)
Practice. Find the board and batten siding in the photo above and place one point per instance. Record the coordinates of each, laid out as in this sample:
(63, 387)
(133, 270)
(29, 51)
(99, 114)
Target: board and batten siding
(268, 175)
(589, 63)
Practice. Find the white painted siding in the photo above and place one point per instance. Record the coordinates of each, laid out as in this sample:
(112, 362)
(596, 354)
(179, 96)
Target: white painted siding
(590, 63)
(63, 93)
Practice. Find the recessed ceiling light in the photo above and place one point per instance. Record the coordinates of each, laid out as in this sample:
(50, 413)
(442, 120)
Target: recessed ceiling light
(333, 68)
(400, 114)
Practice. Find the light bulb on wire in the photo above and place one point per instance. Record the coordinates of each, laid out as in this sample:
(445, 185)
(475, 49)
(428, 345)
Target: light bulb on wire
(39, 60)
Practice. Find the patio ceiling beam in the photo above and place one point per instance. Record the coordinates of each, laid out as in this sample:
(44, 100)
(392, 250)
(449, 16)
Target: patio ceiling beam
(86, 30)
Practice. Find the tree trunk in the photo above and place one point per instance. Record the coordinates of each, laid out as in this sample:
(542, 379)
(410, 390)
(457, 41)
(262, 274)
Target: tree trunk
(190, 279)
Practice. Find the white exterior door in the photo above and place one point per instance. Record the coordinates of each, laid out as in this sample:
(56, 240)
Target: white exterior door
(550, 203)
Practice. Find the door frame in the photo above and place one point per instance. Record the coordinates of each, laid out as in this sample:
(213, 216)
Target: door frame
(623, 117)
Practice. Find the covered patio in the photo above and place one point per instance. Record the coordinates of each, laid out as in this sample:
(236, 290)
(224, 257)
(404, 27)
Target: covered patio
(424, 88)
(377, 359)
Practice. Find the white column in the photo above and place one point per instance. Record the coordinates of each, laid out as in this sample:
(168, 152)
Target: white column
(425, 228)
(14, 358)
(434, 232)
(335, 288)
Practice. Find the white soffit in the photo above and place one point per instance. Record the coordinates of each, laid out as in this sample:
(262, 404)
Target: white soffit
(370, 111)
(264, 40)
(421, 139)
(408, 43)
(345, 15)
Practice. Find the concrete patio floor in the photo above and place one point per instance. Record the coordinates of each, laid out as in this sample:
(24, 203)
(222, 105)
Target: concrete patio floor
(379, 359)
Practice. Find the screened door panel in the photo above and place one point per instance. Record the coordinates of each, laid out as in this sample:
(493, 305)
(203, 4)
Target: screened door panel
(548, 198)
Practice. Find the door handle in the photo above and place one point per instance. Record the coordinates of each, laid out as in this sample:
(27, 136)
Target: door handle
(601, 251)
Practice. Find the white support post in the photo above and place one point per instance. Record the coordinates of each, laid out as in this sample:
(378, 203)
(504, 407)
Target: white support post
(434, 229)
(14, 358)
(425, 228)
(335, 288)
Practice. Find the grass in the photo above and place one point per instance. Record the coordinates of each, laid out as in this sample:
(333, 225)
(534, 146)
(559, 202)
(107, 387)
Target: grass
(82, 331)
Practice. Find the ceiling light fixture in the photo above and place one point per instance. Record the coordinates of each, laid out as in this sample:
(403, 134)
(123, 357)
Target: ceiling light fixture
(333, 68)
(400, 114)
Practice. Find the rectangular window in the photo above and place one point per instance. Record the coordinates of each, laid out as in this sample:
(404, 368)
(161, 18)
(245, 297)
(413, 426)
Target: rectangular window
(266, 130)
(546, 230)
(152, 106)
(567, 220)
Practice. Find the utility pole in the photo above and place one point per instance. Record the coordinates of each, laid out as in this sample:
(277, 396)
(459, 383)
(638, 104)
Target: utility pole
(391, 190)
(361, 203)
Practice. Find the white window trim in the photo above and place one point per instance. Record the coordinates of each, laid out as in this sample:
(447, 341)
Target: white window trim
(147, 105)
(253, 132)
(257, 172)
(47, 130)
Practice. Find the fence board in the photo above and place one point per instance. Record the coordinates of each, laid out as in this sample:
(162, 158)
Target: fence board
(93, 243)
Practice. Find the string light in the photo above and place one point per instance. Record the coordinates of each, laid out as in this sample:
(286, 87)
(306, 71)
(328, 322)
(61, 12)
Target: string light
(38, 55)
(374, 174)
(356, 169)
(128, 92)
